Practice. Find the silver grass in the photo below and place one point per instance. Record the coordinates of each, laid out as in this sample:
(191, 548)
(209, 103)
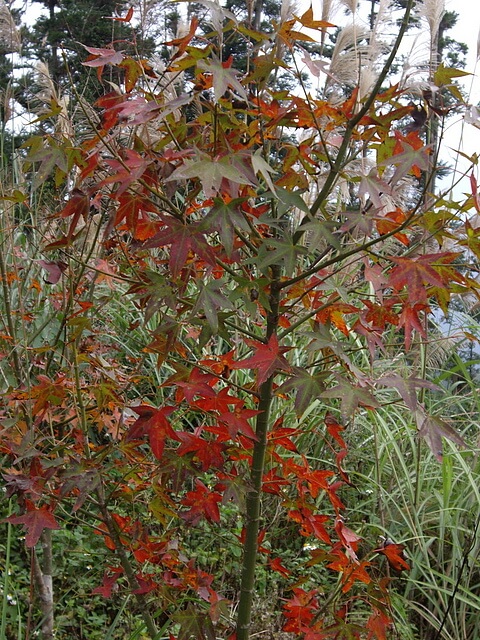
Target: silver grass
(356, 62)
(9, 35)
(377, 47)
(48, 93)
(346, 53)
(432, 11)
(327, 10)
(6, 100)
(384, 15)
(351, 5)
(287, 10)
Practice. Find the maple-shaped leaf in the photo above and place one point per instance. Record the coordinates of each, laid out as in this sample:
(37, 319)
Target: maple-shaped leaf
(311, 524)
(53, 158)
(283, 250)
(334, 428)
(299, 610)
(211, 299)
(224, 218)
(153, 423)
(146, 584)
(77, 207)
(130, 169)
(334, 313)
(280, 436)
(193, 623)
(379, 315)
(183, 238)
(273, 483)
(433, 429)
(35, 521)
(406, 387)
(416, 274)
(219, 402)
(109, 583)
(139, 110)
(378, 625)
(395, 556)
(355, 572)
(276, 565)
(211, 172)
(351, 397)
(443, 76)
(410, 320)
(224, 77)
(198, 384)
(237, 422)
(267, 359)
(410, 155)
(203, 503)
(208, 452)
(373, 187)
(322, 338)
(307, 20)
(307, 386)
(132, 207)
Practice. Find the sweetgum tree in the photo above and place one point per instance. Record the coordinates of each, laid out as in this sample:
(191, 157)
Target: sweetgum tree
(276, 254)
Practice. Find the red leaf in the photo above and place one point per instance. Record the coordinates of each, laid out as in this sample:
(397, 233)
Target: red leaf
(108, 584)
(276, 565)
(152, 422)
(54, 270)
(334, 429)
(78, 207)
(395, 556)
(209, 452)
(101, 57)
(128, 170)
(267, 359)
(203, 502)
(378, 625)
(35, 521)
(418, 274)
(300, 610)
(127, 18)
(199, 384)
(183, 240)
(348, 538)
(410, 320)
(237, 421)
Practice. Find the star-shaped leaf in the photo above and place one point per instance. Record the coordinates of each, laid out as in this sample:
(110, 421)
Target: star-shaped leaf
(351, 397)
(433, 429)
(308, 388)
(35, 521)
(266, 359)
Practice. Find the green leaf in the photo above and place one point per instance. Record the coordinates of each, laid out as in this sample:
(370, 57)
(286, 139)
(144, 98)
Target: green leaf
(211, 300)
(210, 173)
(224, 218)
(433, 429)
(351, 397)
(444, 75)
(308, 387)
(321, 233)
(224, 78)
(282, 251)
